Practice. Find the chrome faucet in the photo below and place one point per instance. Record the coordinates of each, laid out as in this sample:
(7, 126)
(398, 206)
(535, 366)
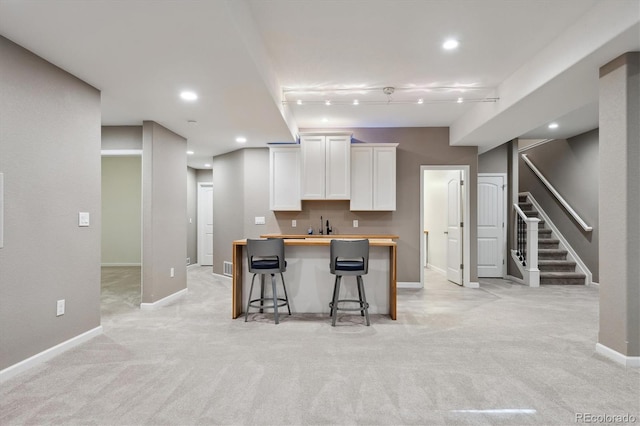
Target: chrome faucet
(329, 230)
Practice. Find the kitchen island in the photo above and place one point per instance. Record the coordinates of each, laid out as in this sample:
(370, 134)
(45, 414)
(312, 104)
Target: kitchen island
(309, 282)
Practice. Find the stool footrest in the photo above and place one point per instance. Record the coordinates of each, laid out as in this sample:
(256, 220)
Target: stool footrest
(253, 303)
(363, 305)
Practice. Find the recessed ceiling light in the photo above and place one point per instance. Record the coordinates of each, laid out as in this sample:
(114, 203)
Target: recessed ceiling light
(207, 165)
(188, 96)
(327, 102)
(460, 100)
(324, 120)
(192, 122)
(356, 102)
(299, 101)
(420, 101)
(553, 125)
(241, 139)
(189, 152)
(450, 44)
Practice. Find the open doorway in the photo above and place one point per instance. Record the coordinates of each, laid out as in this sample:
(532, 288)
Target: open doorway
(445, 240)
(121, 247)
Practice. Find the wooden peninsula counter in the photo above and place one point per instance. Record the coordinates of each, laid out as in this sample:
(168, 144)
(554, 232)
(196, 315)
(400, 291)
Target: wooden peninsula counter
(309, 282)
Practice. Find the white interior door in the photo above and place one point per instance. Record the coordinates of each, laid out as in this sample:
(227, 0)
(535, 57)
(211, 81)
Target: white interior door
(454, 229)
(205, 225)
(491, 247)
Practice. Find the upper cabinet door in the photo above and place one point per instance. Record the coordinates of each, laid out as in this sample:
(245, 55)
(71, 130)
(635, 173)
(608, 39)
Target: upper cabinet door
(313, 167)
(361, 178)
(373, 177)
(337, 167)
(384, 178)
(284, 178)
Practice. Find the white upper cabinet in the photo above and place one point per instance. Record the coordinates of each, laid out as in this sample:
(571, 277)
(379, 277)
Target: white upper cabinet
(284, 177)
(326, 166)
(373, 177)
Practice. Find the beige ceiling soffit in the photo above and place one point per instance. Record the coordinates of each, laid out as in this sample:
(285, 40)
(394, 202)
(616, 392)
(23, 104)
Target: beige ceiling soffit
(603, 23)
(240, 12)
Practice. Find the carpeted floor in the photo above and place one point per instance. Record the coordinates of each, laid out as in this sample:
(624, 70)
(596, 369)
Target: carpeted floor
(503, 354)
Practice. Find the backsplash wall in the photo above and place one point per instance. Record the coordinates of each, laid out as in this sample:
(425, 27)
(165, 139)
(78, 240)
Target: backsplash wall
(339, 217)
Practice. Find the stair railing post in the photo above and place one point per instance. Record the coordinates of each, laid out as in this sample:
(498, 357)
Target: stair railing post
(531, 267)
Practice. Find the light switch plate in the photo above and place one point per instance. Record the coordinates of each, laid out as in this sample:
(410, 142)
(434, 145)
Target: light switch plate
(83, 219)
(260, 220)
(60, 307)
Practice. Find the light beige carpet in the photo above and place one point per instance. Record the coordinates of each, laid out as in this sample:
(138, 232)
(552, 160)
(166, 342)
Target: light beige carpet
(502, 354)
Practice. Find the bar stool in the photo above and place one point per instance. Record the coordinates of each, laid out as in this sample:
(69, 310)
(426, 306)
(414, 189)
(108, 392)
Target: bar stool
(349, 258)
(266, 257)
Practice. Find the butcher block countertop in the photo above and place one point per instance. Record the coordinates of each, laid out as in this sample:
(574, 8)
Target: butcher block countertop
(333, 236)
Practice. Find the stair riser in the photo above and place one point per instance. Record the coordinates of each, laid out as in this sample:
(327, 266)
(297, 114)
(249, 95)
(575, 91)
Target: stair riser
(557, 268)
(562, 281)
(548, 246)
(552, 256)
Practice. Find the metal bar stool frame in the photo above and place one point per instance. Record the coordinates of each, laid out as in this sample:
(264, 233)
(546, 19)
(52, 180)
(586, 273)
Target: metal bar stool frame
(266, 257)
(349, 258)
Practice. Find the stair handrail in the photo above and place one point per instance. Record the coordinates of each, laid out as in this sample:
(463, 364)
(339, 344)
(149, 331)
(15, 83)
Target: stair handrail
(526, 242)
(559, 197)
(520, 212)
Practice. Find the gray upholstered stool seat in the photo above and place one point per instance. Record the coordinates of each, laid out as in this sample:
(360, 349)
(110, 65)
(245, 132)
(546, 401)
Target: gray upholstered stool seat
(349, 258)
(266, 257)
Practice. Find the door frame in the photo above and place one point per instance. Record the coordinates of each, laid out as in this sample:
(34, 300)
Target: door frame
(505, 215)
(200, 224)
(466, 219)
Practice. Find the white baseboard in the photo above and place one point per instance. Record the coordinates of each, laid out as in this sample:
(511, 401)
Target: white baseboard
(408, 284)
(164, 301)
(48, 354)
(120, 264)
(192, 265)
(627, 361)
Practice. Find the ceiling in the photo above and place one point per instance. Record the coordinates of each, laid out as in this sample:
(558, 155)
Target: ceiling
(520, 64)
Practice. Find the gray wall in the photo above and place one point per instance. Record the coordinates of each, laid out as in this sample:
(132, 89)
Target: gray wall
(494, 161)
(121, 210)
(228, 204)
(192, 216)
(620, 204)
(571, 166)
(164, 210)
(122, 137)
(50, 157)
(241, 183)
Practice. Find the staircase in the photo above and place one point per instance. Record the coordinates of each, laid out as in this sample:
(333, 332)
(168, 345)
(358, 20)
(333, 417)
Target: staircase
(554, 267)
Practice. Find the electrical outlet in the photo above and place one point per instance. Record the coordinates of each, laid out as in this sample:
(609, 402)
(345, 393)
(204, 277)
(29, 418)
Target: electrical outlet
(60, 308)
(294, 223)
(172, 272)
(355, 223)
(188, 261)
